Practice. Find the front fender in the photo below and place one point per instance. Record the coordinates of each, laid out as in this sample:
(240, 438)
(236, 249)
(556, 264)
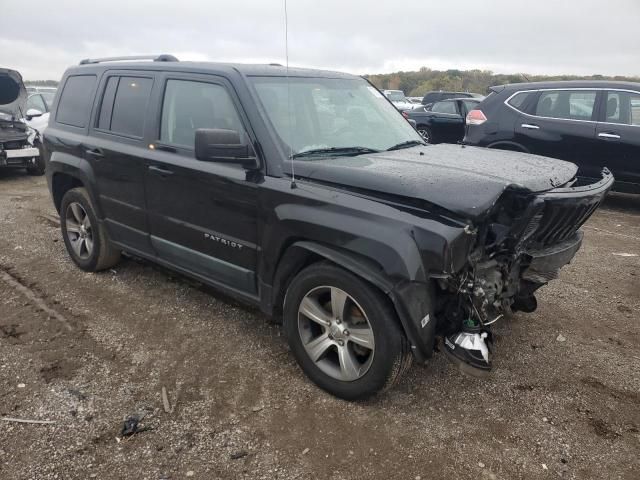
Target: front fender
(413, 301)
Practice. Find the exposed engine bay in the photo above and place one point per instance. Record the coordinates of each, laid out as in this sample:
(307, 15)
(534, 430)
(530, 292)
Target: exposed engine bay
(524, 242)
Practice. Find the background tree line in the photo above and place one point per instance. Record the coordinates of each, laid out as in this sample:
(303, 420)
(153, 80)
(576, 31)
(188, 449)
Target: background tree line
(416, 84)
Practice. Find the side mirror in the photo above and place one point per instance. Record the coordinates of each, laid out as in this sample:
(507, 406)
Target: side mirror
(219, 145)
(33, 112)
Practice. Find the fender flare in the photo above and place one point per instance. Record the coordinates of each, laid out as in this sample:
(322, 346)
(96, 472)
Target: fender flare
(76, 168)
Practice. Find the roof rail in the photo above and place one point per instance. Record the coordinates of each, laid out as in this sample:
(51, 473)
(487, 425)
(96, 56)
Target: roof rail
(155, 58)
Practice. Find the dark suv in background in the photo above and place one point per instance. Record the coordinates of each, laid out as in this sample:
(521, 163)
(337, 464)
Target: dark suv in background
(592, 124)
(444, 120)
(378, 245)
(436, 96)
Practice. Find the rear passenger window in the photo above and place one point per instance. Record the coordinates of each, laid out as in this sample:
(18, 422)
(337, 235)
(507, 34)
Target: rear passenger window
(124, 105)
(75, 101)
(623, 108)
(445, 107)
(519, 99)
(567, 104)
(190, 105)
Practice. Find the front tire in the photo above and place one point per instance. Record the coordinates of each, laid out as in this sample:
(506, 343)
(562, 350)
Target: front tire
(343, 333)
(84, 236)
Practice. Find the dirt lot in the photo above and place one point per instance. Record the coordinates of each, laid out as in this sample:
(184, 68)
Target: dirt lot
(87, 350)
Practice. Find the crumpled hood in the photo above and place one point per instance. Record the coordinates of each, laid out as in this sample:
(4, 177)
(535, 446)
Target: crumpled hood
(13, 94)
(464, 180)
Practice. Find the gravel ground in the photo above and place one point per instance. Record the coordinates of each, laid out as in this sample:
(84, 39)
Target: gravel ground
(88, 350)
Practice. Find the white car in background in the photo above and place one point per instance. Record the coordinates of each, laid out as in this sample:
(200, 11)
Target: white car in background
(398, 98)
(38, 108)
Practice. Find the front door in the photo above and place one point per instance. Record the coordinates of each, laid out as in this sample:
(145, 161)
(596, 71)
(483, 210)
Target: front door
(202, 215)
(618, 137)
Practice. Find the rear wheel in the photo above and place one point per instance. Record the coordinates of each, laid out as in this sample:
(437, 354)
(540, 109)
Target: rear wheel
(85, 238)
(343, 333)
(425, 133)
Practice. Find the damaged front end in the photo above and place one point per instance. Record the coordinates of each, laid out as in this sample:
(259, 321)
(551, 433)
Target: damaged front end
(18, 141)
(519, 246)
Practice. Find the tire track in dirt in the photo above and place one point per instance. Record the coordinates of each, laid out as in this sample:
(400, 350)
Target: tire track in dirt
(33, 297)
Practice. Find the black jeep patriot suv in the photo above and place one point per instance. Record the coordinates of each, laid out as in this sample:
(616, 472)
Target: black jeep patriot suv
(308, 194)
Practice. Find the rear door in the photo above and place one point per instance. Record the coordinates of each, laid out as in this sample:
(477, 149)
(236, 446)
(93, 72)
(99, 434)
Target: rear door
(117, 151)
(561, 124)
(202, 214)
(618, 135)
(447, 124)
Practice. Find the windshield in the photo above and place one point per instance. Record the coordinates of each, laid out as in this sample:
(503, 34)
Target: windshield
(331, 113)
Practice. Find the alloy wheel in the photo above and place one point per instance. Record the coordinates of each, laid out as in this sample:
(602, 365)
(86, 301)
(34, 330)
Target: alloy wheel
(79, 230)
(425, 135)
(336, 333)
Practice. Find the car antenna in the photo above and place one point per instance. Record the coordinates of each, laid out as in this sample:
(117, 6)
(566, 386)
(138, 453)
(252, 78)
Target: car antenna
(286, 54)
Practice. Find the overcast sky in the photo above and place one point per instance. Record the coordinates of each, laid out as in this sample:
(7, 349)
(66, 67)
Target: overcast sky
(40, 38)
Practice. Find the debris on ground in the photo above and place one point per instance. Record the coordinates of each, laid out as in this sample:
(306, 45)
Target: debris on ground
(561, 338)
(239, 454)
(132, 425)
(165, 401)
(24, 420)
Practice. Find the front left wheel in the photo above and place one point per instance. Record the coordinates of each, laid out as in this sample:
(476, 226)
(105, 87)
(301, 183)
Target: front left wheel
(344, 333)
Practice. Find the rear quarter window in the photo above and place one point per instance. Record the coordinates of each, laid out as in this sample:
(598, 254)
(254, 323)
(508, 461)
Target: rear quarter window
(75, 101)
(518, 100)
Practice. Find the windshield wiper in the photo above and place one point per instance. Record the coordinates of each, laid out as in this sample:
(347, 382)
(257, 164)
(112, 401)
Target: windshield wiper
(335, 151)
(407, 144)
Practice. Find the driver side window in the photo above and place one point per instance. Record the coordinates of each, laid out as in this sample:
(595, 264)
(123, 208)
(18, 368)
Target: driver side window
(189, 105)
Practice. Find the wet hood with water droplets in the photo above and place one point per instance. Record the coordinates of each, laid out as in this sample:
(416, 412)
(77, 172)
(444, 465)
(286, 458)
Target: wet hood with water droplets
(464, 180)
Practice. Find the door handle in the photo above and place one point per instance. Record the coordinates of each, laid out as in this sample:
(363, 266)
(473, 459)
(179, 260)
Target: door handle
(163, 172)
(530, 126)
(95, 152)
(613, 136)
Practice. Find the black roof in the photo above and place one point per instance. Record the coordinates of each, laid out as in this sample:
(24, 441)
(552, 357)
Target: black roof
(569, 84)
(274, 69)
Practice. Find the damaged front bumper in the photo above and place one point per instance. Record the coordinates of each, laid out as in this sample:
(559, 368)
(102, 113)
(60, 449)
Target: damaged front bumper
(19, 158)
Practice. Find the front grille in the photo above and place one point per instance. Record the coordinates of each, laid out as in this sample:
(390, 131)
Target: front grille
(561, 218)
